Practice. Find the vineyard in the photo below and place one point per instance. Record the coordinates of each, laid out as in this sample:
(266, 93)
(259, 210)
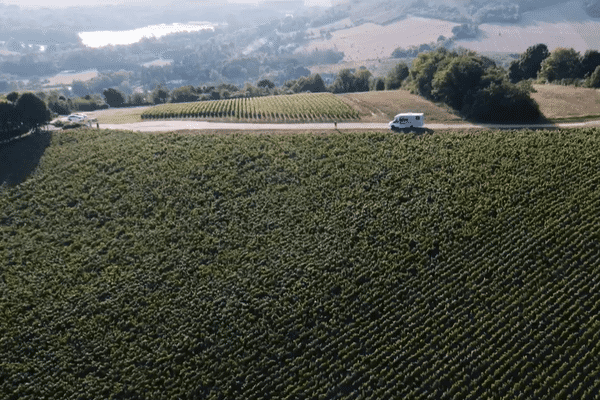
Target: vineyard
(305, 107)
(325, 266)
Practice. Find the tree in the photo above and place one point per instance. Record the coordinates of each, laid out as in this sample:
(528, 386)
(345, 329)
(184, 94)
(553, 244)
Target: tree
(8, 120)
(183, 94)
(594, 79)
(344, 82)
(32, 111)
(502, 102)
(313, 84)
(528, 64)
(362, 79)
(12, 96)
(137, 99)
(561, 64)
(114, 97)
(266, 84)
(424, 68)
(589, 62)
(456, 80)
(347, 82)
(396, 76)
(378, 84)
(160, 94)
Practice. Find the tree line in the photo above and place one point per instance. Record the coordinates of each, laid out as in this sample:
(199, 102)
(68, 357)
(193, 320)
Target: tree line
(562, 66)
(471, 84)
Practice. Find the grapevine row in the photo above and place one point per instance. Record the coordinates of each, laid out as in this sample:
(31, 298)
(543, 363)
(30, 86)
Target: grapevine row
(304, 107)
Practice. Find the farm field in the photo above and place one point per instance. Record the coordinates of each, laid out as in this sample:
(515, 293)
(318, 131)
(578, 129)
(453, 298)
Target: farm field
(567, 102)
(310, 265)
(305, 107)
(384, 105)
(68, 78)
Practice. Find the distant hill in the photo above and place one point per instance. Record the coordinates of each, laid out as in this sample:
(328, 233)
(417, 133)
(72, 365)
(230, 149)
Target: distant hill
(373, 29)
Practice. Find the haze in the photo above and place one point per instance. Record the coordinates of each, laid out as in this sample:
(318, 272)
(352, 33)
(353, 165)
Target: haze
(90, 3)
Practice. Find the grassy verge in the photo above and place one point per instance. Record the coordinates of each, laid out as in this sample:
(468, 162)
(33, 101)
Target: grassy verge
(324, 265)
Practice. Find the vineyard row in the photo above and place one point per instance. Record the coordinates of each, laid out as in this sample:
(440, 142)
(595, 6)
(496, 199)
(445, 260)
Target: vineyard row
(310, 107)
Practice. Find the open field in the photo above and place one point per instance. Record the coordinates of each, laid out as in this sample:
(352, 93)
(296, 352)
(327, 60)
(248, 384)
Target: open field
(383, 106)
(567, 102)
(314, 265)
(561, 25)
(67, 79)
(371, 41)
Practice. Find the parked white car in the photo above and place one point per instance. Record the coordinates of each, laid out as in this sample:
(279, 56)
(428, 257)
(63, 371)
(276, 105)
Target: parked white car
(77, 117)
(407, 120)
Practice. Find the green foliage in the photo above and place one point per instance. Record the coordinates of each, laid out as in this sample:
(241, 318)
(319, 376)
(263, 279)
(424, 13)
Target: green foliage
(349, 82)
(87, 103)
(472, 85)
(31, 111)
(456, 80)
(160, 94)
(529, 63)
(589, 62)
(58, 104)
(137, 99)
(313, 83)
(378, 84)
(255, 266)
(504, 102)
(266, 84)
(183, 94)
(9, 121)
(424, 68)
(561, 64)
(594, 80)
(396, 76)
(114, 97)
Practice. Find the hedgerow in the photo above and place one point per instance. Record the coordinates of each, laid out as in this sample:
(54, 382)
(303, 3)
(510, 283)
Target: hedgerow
(312, 266)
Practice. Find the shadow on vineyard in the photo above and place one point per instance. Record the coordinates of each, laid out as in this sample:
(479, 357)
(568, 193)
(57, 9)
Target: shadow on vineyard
(20, 157)
(249, 266)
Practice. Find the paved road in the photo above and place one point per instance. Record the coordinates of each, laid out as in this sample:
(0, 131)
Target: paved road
(163, 126)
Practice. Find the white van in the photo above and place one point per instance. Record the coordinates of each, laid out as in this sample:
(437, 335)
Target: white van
(407, 120)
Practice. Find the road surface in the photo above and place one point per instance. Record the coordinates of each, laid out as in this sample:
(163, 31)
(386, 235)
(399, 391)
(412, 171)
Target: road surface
(176, 125)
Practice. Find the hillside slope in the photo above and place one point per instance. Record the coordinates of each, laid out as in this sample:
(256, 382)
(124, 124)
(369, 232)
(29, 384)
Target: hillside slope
(307, 266)
(562, 24)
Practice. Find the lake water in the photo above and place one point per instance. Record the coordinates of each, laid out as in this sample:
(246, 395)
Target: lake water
(105, 38)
